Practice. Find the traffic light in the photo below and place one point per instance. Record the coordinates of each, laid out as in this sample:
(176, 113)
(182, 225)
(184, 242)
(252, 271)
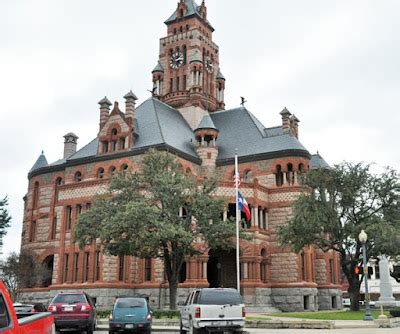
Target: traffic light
(359, 270)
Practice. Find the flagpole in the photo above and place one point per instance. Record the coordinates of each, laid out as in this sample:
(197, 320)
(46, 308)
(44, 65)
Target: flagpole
(237, 223)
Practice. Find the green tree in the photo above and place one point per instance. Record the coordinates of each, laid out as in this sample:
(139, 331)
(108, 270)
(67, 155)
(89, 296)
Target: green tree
(19, 271)
(336, 205)
(4, 220)
(157, 212)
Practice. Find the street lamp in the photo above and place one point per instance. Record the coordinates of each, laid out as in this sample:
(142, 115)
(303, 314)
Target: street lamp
(363, 237)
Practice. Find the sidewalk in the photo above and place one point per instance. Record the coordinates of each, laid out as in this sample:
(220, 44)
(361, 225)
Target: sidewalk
(172, 325)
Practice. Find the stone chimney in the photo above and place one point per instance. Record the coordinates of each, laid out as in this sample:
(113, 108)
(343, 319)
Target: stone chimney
(294, 124)
(285, 119)
(104, 111)
(70, 144)
(130, 101)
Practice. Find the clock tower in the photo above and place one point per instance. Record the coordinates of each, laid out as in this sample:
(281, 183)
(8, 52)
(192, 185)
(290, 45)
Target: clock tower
(187, 76)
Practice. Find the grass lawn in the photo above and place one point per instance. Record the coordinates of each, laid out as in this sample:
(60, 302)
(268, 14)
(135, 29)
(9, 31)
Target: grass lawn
(339, 315)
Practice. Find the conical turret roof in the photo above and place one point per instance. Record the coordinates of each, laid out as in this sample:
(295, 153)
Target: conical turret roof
(40, 162)
(158, 68)
(206, 123)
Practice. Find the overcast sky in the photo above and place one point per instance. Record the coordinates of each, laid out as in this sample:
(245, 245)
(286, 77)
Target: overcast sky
(335, 64)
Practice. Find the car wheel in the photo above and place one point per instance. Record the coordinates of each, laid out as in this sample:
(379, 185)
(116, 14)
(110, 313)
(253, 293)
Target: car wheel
(90, 329)
(181, 330)
(192, 329)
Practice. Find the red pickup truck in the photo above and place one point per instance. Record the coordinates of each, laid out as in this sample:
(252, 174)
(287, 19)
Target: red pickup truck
(38, 323)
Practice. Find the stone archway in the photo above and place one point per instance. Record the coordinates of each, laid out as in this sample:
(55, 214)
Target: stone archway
(221, 268)
(47, 271)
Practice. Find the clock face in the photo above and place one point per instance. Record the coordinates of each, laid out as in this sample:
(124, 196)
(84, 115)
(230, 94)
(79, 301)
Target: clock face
(176, 60)
(209, 65)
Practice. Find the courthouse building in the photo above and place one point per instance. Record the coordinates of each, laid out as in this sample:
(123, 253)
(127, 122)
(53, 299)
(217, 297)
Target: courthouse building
(186, 116)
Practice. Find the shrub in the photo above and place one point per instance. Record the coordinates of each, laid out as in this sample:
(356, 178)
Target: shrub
(395, 313)
(165, 314)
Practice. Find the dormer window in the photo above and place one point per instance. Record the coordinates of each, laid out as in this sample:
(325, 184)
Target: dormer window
(114, 146)
(122, 143)
(114, 132)
(78, 177)
(105, 146)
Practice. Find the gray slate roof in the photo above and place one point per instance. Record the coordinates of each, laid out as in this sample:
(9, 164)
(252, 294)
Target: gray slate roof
(220, 75)
(239, 129)
(158, 68)
(158, 124)
(318, 162)
(40, 162)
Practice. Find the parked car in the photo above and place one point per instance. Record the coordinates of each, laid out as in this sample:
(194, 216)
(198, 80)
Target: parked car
(346, 302)
(130, 315)
(74, 311)
(31, 323)
(26, 309)
(210, 310)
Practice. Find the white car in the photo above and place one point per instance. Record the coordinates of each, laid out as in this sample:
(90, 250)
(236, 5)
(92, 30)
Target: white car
(210, 310)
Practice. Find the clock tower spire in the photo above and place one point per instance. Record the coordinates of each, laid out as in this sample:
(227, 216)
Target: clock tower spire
(187, 75)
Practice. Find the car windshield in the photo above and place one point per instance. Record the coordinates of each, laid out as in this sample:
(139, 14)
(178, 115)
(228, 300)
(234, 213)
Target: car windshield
(219, 297)
(130, 303)
(70, 299)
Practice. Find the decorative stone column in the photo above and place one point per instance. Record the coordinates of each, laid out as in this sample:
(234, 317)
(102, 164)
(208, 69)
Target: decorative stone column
(386, 291)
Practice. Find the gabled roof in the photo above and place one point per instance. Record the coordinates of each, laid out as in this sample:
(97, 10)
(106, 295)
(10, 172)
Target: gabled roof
(318, 162)
(193, 9)
(40, 162)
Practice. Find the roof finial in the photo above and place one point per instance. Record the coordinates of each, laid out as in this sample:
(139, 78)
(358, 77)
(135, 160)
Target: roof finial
(42, 151)
(243, 101)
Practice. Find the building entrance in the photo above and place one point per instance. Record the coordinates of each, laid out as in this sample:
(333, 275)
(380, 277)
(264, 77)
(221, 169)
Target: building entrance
(221, 269)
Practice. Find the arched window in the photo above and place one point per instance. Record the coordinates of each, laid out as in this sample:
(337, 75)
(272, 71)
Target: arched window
(113, 171)
(181, 13)
(248, 176)
(122, 143)
(35, 195)
(181, 29)
(279, 176)
(147, 269)
(124, 168)
(59, 181)
(188, 171)
(182, 273)
(100, 173)
(184, 54)
(290, 174)
(174, 31)
(187, 27)
(263, 266)
(78, 177)
(300, 175)
(114, 132)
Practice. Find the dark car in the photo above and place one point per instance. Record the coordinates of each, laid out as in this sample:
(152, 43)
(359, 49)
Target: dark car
(130, 315)
(74, 311)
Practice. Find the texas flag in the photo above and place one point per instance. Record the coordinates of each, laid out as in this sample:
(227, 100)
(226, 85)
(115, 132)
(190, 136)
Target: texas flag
(244, 207)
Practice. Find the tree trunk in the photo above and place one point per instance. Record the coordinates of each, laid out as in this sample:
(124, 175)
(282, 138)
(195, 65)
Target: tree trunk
(354, 293)
(173, 289)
